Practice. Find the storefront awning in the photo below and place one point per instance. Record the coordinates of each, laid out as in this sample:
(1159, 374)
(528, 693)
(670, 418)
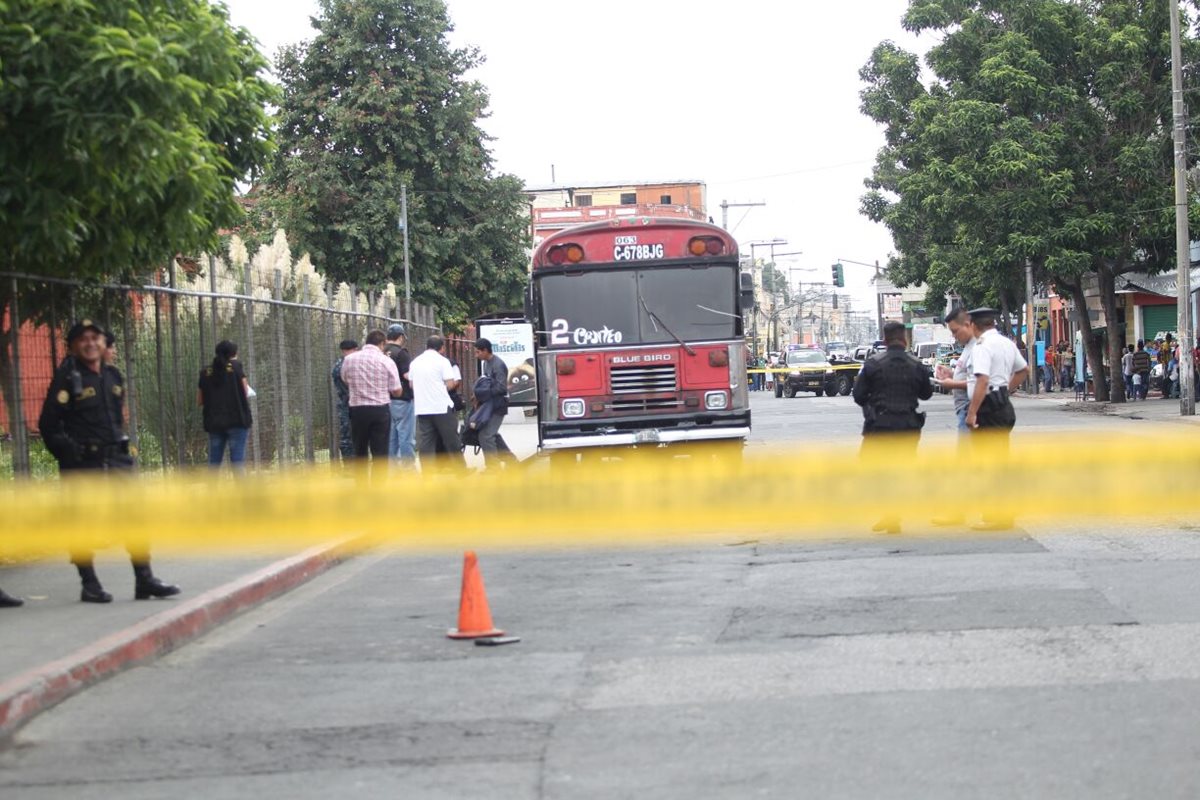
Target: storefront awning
(1163, 284)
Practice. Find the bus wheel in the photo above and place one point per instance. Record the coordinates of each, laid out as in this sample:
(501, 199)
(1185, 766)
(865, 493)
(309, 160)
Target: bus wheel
(844, 385)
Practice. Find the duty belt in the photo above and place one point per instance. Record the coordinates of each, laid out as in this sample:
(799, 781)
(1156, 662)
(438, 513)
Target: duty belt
(101, 451)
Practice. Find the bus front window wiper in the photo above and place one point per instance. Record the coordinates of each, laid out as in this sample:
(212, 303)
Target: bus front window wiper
(657, 320)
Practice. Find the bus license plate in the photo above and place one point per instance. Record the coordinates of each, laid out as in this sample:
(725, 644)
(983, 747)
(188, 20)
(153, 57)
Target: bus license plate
(646, 437)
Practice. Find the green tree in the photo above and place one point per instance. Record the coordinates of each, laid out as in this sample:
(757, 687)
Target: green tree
(376, 100)
(124, 126)
(1043, 138)
(775, 282)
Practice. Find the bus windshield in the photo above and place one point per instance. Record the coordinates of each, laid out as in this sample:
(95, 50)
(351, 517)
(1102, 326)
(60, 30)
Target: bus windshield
(650, 306)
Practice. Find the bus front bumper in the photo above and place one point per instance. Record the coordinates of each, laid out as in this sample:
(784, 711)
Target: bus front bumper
(648, 436)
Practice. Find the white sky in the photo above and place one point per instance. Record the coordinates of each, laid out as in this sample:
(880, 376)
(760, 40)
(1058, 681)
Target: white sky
(758, 98)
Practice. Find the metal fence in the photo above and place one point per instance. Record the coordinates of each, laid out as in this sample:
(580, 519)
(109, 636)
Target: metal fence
(287, 321)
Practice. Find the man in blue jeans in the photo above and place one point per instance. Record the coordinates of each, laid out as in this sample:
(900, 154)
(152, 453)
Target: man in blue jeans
(960, 328)
(955, 380)
(404, 420)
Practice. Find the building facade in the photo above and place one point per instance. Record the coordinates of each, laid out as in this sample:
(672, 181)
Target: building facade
(556, 207)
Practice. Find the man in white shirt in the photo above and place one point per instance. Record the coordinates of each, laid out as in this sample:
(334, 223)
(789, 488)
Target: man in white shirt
(1127, 370)
(956, 379)
(998, 368)
(432, 376)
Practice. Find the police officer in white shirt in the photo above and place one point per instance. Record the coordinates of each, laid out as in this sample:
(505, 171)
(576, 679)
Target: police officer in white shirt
(998, 368)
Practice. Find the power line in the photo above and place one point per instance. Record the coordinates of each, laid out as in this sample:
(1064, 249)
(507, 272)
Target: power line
(802, 171)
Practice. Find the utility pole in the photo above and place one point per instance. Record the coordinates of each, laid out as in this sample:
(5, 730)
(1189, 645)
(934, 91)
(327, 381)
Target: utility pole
(1030, 349)
(787, 286)
(878, 296)
(726, 205)
(408, 315)
(765, 243)
(1183, 244)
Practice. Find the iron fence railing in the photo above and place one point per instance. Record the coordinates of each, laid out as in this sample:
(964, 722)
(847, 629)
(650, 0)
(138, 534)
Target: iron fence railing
(286, 319)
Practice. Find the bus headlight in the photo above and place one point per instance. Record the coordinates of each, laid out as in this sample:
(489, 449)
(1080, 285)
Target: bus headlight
(716, 401)
(573, 409)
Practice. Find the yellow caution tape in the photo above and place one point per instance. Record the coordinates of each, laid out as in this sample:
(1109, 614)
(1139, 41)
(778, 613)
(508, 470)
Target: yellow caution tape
(616, 498)
(785, 370)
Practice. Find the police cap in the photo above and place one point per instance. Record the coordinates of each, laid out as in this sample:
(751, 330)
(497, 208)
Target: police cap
(981, 314)
(82, 325)
(394, 330)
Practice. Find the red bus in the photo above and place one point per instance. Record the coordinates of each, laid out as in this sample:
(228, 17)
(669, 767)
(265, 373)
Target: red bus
(640, 337)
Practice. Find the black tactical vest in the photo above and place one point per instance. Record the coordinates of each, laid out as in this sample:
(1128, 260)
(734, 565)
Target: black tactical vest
(894, 392)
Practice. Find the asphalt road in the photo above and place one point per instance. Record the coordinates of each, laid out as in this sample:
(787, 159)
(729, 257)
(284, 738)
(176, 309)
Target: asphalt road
(1040, 664)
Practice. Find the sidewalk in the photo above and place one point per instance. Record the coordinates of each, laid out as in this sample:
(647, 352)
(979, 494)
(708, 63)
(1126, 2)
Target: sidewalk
(1154, 409)
(55, 646)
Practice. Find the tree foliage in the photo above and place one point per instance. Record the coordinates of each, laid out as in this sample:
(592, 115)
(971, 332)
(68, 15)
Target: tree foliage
(378, 99)
(1040, 136)
(775, 282)
(124, 126)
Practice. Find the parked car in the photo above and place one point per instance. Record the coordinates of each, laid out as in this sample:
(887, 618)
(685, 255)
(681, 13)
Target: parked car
(865, 351)
(811, 371)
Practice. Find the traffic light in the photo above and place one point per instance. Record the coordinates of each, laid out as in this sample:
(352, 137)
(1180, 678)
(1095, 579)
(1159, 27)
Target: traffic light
(839, 275)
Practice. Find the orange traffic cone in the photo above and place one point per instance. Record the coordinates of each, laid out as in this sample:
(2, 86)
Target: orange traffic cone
(474, 617)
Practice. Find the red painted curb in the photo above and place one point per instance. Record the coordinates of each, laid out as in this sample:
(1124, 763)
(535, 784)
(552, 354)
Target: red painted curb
(32, 692)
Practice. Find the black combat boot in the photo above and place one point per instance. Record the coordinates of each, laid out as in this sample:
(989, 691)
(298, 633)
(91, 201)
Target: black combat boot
(8, 601)
(148, 586)
(92, 591)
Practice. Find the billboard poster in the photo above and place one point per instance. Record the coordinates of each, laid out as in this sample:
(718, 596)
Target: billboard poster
(513, 343)
(893, 306)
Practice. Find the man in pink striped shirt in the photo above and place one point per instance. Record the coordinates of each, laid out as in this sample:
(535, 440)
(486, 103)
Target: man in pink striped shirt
(373, 381)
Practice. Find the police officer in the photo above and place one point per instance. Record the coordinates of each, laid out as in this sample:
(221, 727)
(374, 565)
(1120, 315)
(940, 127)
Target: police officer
(345, 444)
(889, 389)
(890, 385)
(83, 426)
(997, 369)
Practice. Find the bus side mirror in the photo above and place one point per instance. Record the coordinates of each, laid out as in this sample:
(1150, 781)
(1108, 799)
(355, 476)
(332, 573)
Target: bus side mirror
(746, 291)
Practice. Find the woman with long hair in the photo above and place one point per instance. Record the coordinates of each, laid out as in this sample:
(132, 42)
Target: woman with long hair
(224, 395)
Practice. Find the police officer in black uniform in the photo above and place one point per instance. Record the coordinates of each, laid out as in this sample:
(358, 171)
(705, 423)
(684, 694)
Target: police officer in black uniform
(889, 389)
(83, 426)
(890, 385)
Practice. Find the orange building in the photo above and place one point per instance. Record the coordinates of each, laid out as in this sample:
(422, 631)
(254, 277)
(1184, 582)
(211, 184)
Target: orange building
(557, 207)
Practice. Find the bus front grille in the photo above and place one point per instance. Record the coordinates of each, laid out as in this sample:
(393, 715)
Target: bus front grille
(647, 404)
(641, 379)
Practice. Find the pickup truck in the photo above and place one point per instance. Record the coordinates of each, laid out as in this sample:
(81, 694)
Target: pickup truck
(812, 371)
